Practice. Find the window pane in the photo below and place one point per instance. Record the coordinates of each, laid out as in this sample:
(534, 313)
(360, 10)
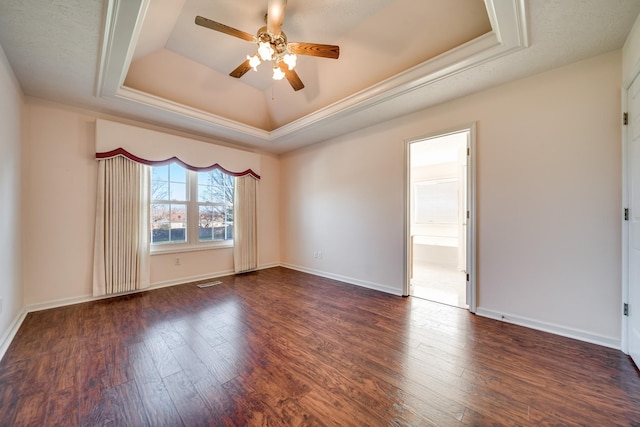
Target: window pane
(218, 233)
(212, 187)
(178, 191)
(160, 223)
(178, 235)
(218, 176)
(177, 173)
(178, 223)
(204, 183)
(168, 223)
(159, 190)
(214, 224)
(203, 195)
(178, 214)
(205, 223)
(204, 178)
(160, 173)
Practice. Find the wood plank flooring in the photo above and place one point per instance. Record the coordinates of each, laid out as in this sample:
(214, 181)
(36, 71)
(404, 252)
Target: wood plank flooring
(283, 348)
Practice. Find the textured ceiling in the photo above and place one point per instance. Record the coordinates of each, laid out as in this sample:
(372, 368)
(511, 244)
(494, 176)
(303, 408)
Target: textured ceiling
(78, 52)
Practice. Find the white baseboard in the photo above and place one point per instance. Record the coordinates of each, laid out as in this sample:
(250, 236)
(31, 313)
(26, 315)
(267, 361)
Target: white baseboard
(189, 279)
(7, 338)
(349, 280)
(270, 265)
(551, 328)
(87, 298)
(62, 302)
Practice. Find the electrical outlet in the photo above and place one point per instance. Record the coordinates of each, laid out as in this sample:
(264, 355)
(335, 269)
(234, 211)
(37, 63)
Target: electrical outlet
(320, 254)
(177, 261)
(315, 254)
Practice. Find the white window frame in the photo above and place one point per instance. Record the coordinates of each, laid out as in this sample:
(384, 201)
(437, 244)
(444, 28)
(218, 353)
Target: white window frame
(193, 208)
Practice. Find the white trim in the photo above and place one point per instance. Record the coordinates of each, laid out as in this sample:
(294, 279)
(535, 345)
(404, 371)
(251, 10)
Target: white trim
(88, 298)
(127, 94)
(124, 20)
(123, 24)
(270, 265)
(346, 279)
(552, 328)
(183, 280)
(63, 302)
(472, 236)
(406, 226)
(158, 285)
(624, 322)
(8, 337)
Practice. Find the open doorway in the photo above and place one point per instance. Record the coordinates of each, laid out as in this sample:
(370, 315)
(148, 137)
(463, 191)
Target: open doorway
(439, 213)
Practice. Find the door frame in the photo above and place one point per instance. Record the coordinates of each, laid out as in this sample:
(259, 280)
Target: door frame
(624, 345)
(471, 206)
(624, 322)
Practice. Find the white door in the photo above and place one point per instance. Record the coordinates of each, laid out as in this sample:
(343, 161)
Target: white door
(633, 182)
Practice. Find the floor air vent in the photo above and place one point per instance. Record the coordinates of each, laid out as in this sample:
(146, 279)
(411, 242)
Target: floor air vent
(206, 285)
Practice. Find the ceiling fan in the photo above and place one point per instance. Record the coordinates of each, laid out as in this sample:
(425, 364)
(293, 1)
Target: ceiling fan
(273, 45)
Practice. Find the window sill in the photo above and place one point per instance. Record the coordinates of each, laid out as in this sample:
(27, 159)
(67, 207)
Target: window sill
(172, 250)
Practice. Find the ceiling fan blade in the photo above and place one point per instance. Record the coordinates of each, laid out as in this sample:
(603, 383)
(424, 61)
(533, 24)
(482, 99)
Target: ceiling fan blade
(275, 16)
(315, 49)
(241, 70)
(216, 26)
(292, 76)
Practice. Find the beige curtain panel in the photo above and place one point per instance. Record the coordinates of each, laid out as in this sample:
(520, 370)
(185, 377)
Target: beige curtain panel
(245, 229)
(121, 254)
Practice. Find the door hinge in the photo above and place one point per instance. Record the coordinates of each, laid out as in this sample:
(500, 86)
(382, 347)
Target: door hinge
(467, 277)
(468, 214)
(468, 151)
(625, 309)
(625, 119)
(626, 214)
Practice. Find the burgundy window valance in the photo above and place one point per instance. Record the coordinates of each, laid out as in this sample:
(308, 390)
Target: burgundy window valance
(124, 153)
(154, 148)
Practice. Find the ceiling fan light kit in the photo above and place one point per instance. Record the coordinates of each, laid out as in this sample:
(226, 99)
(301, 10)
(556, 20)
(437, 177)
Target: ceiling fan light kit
(273, 46)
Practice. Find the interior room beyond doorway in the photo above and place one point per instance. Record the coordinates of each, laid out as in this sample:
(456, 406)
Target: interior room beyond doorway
(438, 222)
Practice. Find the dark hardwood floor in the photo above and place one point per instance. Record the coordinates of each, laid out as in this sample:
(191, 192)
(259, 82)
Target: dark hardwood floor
(280, 347)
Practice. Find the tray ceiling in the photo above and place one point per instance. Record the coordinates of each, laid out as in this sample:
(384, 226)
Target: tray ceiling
(179, 61)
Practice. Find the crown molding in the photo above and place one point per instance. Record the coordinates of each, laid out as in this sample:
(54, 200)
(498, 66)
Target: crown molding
(124, 20)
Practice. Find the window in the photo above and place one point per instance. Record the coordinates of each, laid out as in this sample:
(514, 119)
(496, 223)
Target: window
(436, 201)
(215, 206)
(190, 209)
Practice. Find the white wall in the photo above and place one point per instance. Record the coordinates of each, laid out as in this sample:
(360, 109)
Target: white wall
(548, 199)
(11, 104)
(59, 197)
(345, 198)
